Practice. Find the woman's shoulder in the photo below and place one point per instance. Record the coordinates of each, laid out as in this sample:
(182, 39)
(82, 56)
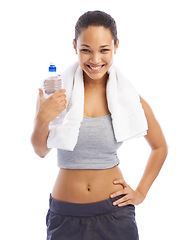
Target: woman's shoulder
(146, 107)
(151, 120)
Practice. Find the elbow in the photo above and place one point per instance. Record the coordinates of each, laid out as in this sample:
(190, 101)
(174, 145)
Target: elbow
(164, 149)
(38, 150)
(40, 153)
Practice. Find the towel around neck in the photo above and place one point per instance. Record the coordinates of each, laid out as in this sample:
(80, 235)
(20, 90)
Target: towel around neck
(128, 117)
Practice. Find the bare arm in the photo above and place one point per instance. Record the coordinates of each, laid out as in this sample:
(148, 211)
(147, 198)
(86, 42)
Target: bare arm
(39, 137)
(46, 110)
(159, 149)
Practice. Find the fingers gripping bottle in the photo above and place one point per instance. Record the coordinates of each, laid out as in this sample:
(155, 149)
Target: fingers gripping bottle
(50, 85)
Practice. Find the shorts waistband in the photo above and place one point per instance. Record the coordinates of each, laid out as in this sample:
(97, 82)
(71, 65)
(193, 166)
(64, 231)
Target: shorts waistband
(84, 209)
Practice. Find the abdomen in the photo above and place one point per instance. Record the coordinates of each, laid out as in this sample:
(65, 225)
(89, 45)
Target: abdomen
(86, 186)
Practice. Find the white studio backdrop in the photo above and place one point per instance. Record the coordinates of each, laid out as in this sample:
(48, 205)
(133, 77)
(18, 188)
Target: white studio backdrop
(156, 52)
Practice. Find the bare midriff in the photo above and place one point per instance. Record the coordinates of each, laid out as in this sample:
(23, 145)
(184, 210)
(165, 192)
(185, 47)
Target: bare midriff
(86, 185)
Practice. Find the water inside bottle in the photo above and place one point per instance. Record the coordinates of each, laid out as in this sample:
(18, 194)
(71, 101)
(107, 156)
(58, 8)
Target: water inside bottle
(50, 86)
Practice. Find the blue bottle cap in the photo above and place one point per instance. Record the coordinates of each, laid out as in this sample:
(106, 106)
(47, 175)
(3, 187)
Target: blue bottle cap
(52, 68)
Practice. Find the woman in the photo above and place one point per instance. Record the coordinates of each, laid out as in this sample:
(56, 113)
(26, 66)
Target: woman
(95, 203)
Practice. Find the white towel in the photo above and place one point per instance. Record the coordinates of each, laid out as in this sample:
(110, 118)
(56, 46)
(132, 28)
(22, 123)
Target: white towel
(124, 104)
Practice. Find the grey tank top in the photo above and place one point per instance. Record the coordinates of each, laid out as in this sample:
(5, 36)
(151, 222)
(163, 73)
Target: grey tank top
(96, 146)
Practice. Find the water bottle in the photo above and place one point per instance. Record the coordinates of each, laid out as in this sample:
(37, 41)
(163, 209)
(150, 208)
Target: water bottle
(51, 84)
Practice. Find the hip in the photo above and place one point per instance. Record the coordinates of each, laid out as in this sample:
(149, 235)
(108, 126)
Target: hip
(99, 220)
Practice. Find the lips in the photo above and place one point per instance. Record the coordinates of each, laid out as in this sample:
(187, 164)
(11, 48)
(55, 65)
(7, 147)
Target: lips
(95, 68)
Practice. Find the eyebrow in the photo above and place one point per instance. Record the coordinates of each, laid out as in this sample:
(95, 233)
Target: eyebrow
(85, 45)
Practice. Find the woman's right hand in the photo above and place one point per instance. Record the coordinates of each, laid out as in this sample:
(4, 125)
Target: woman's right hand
(47, 109)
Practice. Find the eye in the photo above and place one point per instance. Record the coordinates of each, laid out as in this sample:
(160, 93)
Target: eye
(105, 50)
(85, 50)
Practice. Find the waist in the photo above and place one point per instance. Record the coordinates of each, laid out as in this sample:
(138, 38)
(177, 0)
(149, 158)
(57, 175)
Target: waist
(86, 185)
(85, 210)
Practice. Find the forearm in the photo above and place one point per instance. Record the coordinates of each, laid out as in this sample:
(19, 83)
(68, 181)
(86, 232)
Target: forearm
(153, 167)
(39, 137)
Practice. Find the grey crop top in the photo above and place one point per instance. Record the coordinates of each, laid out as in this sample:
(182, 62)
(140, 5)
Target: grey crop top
(96, 146)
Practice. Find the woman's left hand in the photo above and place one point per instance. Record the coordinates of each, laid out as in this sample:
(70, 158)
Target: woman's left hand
(131, 196)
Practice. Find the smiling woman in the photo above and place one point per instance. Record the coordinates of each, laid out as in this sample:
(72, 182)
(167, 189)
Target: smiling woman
(95, 48)
(86, 201)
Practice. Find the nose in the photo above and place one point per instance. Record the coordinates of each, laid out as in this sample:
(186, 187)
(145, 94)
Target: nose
(95, 58)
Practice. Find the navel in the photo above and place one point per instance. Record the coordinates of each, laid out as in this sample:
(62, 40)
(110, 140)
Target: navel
(89, 188)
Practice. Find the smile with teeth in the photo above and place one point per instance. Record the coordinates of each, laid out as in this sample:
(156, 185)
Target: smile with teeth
(95, 68)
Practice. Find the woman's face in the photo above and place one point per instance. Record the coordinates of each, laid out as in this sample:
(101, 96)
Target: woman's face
(95, 49)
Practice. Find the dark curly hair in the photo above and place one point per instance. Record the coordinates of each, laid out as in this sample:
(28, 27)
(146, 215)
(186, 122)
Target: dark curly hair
(96, 18)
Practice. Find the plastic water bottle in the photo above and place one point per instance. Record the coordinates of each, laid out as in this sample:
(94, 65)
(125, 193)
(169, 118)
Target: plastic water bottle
(51, 84)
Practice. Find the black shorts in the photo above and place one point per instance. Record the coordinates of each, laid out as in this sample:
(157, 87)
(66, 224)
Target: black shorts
(92, 221)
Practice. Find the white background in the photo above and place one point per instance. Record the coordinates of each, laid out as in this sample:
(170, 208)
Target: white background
(156, 52)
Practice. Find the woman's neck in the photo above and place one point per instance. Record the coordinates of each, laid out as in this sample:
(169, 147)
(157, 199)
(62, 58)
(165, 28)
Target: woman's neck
(95, 83)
